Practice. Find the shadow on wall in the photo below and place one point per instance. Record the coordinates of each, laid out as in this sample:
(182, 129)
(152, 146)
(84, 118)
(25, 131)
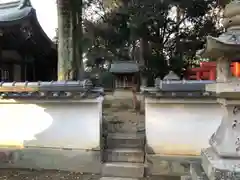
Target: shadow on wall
(59, 126)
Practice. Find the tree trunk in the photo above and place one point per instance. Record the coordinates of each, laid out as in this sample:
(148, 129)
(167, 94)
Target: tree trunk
(178, 18)
(143, 50)
(64, 39)
(78, 42)
(136, 102)
(74, 40)
(132, 52)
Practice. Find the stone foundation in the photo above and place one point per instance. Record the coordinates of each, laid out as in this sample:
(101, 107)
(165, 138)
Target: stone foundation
(54, 159)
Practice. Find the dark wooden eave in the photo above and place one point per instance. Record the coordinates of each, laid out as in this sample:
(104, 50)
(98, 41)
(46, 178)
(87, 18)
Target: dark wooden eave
(20, 30)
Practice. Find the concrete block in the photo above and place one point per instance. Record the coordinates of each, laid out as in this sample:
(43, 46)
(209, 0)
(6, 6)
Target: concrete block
(119, 169)
(121, 140)
(133, 155)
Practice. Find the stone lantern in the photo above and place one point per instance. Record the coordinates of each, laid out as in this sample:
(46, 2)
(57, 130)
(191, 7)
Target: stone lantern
(221, 161)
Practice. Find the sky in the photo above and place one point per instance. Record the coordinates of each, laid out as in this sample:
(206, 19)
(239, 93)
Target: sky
(47, 15)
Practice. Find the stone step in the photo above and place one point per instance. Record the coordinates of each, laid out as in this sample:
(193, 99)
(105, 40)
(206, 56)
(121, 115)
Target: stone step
(114, 127)
(120, 169)
(117, 178)
(186, 178)
(125, 140)
(133, 155)
(121, 126)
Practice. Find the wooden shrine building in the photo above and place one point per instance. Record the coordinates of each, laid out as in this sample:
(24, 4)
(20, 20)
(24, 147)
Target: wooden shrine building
(26, 52)
(126, 74)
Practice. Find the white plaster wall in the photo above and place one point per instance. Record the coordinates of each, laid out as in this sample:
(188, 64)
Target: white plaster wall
(180, 127)
(57, 125)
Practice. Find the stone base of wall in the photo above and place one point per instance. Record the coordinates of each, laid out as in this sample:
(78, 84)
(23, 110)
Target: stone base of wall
(52, 159)
(169, 165)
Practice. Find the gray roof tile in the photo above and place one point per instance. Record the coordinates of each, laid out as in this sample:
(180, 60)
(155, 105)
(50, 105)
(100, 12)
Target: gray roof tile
(124, 67)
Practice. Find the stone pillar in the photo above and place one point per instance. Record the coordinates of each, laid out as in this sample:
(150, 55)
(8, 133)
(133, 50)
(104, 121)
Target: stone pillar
(223, 69)
(64, 39)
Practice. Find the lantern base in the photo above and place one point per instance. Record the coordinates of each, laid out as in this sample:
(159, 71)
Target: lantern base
(217, 167)
(197, 172)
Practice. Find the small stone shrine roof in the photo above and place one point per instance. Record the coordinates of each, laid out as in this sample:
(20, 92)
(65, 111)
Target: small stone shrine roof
(124, 67)
(171, 76)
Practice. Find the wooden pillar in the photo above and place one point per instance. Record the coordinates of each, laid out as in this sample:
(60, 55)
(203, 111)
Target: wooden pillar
(23, 70)
(212, 74)
(33, 71)
(236, 69)
(198, 75)
(1, 60)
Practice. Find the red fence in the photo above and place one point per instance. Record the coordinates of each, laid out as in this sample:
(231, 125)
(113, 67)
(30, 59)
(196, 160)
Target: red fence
(207, 71)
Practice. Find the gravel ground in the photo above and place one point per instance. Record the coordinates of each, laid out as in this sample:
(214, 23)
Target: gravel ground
(10, 174)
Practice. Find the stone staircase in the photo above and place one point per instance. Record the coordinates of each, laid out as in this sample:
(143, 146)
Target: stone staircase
(123, 156)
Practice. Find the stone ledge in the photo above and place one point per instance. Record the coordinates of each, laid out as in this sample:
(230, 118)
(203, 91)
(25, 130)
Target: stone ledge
(56, 159)
(169, 165)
